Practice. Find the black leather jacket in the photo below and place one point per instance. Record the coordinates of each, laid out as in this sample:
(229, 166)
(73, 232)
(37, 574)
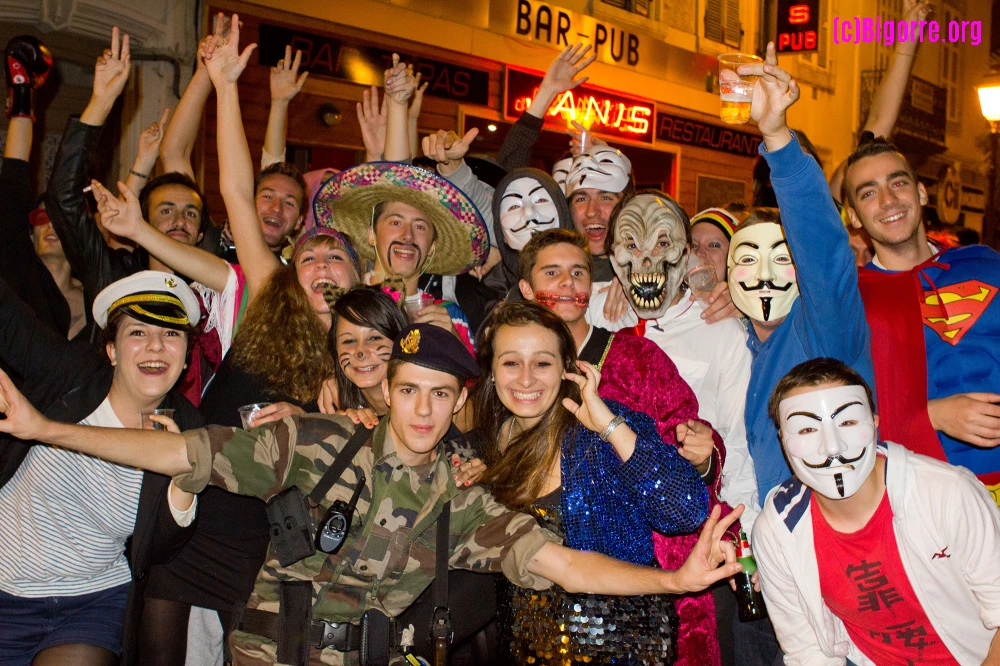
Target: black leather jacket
(96, 264)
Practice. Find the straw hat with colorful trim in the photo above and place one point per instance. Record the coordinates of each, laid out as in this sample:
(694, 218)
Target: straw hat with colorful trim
(347, 201)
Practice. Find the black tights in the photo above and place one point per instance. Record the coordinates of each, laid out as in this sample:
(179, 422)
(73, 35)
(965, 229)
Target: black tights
(163, 632)
(76, 654)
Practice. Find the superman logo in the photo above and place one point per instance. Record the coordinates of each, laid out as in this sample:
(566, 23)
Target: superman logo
(951, 311)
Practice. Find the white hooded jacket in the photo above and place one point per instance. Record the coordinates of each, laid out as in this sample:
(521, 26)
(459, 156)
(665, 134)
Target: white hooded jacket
(935, 506)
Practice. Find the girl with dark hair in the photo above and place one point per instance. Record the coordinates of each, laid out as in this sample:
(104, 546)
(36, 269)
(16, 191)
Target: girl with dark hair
(596, 473)
(70, 590)
(365, 323)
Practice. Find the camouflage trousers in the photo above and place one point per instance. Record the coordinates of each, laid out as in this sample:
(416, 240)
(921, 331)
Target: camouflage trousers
(250, 650)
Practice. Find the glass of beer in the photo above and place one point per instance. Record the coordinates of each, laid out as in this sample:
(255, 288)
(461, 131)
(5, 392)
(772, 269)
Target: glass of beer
(735, 89)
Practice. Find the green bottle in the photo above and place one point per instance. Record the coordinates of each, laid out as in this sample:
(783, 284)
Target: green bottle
(749, 602)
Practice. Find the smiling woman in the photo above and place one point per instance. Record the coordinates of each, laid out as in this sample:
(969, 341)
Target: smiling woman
(70, 515)
(558, 451)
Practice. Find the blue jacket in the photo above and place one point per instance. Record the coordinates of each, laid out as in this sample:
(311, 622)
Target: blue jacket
(611, 507)
(827, 319)
(961, 322)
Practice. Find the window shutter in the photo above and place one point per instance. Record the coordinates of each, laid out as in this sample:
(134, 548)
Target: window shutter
(732, 32)
(713, 20)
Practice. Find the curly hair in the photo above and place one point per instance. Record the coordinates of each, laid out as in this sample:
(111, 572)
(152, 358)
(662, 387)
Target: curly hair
(282, 341)
(516, 474)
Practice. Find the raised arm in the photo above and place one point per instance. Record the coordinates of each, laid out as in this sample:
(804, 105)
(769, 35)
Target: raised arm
(285, 85)
(124, 218)
(891, 90)
(516, 149)
(824, 263)
(149, 150)
(580, 571)
(399, 86)
(180, 137)
(91, 258)
(225, 63)
(413, 115)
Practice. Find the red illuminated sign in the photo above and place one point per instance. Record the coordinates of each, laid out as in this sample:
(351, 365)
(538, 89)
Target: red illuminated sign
(798, 26)
(600, 111)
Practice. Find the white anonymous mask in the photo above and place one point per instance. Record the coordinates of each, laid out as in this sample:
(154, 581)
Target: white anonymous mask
(761, 272)
(526, 208)
(829, 438)
(560, 172)
(602, 168)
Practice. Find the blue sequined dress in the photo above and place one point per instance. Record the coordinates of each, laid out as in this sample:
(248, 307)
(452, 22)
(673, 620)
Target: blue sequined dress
(611, 507)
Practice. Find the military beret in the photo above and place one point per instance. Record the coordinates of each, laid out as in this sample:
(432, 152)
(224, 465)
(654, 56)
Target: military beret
(435, 348)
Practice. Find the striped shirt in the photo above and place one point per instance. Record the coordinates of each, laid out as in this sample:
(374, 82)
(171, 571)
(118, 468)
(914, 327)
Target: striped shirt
(64, 519)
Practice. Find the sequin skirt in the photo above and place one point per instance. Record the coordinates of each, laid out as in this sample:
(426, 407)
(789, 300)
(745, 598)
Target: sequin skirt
(557, 628)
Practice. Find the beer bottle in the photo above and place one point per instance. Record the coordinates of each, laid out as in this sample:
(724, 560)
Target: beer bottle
(749, 602)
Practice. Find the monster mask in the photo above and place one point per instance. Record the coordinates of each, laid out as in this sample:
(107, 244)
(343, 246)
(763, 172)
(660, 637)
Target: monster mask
(648, 249)
(829, 438)
(761, 273)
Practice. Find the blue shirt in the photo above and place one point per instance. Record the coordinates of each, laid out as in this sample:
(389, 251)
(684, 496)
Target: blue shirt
(961, 321)
(827, 319)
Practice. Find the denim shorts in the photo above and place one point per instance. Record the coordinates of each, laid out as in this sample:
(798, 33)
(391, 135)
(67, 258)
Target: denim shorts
(30, 625)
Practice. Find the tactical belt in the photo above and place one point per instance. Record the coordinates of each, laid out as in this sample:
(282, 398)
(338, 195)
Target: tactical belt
(341, 636)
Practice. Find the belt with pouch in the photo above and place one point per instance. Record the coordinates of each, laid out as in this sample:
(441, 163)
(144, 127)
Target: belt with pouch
(340, 636)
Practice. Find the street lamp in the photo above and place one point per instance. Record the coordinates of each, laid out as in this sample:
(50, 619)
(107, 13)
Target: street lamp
(989, 102)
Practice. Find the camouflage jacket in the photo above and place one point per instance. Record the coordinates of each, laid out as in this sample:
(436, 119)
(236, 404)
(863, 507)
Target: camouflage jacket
(388, 557)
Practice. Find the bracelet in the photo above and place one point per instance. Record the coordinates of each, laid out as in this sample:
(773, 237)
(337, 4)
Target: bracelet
(144, 176)
(605, 434)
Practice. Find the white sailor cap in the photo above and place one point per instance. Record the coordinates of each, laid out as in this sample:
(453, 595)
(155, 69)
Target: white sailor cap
(153, 297)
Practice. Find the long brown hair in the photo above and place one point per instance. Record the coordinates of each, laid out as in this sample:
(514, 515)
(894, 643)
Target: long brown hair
(516, 475)
(281, 340)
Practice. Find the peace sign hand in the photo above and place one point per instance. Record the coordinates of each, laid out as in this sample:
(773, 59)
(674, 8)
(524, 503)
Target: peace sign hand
(592, 413)
(222, 57)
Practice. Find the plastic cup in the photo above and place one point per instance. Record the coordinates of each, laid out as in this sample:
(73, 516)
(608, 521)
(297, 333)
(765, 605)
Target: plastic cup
(412, 307)
(702, 280)
(249, 412)
(736, 90)
(146, 424)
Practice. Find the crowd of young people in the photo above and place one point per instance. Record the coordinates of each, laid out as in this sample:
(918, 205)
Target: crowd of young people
(498, 421)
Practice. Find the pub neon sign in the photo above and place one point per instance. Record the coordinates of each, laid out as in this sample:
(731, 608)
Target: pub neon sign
(598, 111)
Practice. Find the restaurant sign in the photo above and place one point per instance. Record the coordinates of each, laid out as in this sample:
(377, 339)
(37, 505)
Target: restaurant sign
(677, 129)
(358, 63)
(600, 111)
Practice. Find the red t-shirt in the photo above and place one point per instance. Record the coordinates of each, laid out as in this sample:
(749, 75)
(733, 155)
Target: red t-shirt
(863, 582)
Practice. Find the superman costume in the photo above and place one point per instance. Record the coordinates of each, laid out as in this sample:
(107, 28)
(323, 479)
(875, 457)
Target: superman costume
(935, 332)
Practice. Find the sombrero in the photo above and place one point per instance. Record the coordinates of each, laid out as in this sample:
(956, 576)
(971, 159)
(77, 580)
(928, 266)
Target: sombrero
(347, 201)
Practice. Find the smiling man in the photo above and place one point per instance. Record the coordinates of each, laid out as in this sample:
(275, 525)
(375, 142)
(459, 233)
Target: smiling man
(310, 607)
(871, 554)
(407, 222)
(280, 194)
(933, 318)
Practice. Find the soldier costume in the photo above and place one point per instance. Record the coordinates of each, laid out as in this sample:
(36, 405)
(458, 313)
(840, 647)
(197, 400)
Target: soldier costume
(388, 558)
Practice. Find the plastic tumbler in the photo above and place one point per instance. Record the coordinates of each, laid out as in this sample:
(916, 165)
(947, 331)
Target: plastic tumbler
(736, 90)
(702, 280)
(146, 424)
(249, 412)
